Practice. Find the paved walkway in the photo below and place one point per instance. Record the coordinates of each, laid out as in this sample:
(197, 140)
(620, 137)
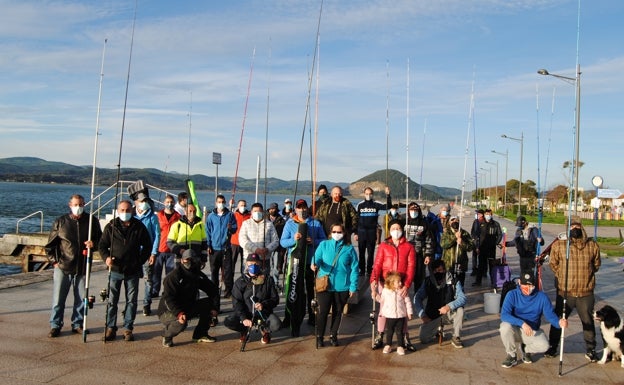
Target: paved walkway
(28, 356)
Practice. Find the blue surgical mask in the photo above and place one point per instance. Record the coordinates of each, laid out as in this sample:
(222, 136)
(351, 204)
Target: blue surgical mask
(220, 206)
(253, 269)
(413, 214)
(125, 217)
(257, 215)
(443, 213)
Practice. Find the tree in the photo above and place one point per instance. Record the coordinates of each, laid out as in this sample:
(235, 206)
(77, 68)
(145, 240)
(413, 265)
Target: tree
(557, 195)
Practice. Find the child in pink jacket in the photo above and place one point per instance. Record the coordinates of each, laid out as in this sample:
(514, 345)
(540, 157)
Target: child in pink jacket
(394, 307)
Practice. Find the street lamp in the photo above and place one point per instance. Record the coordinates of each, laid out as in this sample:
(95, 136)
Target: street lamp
(506, 155)
(577, 123)
(521, 141)
(489, 172)
(597, 182)
(496, 179)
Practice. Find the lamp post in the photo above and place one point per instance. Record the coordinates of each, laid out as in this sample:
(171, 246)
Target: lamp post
(496, 179)
(597, 182)
(506, 155)
(216, 160)
(489, 172)
(521, 141)
(577, 123)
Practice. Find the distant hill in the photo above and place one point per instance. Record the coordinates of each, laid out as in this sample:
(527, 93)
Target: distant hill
(396, 183)
(37, 170)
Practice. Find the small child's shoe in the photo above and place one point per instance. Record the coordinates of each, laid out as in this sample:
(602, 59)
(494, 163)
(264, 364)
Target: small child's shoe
(387, 349)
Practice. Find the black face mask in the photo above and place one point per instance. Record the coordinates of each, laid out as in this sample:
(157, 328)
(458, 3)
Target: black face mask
(455, 226)
(576, 233)
(439, 276)
(191, 264)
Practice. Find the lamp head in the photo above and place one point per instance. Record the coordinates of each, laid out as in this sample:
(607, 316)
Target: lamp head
(543, 72)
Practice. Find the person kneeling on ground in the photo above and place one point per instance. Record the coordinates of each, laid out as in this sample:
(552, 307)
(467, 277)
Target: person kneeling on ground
(254, 296)
(445, 299)
(521, 316)
(180, 303)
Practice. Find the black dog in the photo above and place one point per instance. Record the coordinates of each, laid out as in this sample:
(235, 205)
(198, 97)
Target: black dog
(612, 334)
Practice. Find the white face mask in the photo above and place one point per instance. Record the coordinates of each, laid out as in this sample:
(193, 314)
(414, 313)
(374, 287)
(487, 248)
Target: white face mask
(77, 210)
(241, 209)
(257, 215)
(143, 206)
(287, 206)
(337, 236)
(396, 234)
(443, 213)
(393, 212)
(413, 214)
(220, 206)
(125, 217)
(368, 197)
(488, 217)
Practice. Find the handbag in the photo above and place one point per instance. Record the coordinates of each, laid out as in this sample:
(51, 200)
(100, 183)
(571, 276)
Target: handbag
(321, 283)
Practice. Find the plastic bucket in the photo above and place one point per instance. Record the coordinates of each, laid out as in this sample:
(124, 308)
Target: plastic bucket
(491, 303)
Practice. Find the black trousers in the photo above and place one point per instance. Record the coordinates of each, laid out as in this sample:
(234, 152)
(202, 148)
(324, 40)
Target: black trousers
(395, 325)
(486, 256)
(222, 259)
(584, 307)
(367, 239)
(336, 301)
(200, 309)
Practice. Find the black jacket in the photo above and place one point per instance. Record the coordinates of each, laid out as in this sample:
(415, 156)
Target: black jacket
(244, 289)
(66, 242)
(129, 246)
(181, 288)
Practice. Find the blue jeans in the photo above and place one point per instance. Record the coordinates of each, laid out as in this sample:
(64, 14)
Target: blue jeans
(62, 283)
(162, 259)
(131, 286)
(148, 271)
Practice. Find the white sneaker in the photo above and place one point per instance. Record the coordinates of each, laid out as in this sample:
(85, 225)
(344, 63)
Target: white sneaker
(387, 349)
(400, 351)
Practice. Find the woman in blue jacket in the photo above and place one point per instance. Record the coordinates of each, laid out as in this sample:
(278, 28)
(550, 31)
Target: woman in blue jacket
(337, 259)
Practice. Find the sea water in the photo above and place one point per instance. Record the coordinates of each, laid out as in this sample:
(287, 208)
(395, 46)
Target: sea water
(18, 200)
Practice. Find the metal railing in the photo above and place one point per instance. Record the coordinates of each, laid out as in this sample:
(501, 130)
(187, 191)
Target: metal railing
(105, 200)
(28, 216)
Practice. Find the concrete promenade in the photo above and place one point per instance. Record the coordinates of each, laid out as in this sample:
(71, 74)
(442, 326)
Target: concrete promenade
(28, 356)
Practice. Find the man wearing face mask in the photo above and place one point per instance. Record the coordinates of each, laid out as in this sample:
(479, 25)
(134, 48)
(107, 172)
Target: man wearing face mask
(521, 316)
(475, 233)
(258, 236)
(526, 240)
(290, 236)
(578, 286)
(67, 251)
(338, 210)
(189, 233)
(368, 221)
(166, 218)
(180, 301)
(490, 235)
(254, 297)
(456, 243)
(393, 254)
(445, 302)
(125, 246)
(323, 196)
(220, 225)
(418, 233)
(144, 213)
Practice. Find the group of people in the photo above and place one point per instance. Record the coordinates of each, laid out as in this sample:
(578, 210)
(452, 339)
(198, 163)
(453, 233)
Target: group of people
(316, 241)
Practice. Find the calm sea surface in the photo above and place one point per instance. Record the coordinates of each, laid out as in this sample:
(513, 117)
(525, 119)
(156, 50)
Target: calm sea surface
(18, 200)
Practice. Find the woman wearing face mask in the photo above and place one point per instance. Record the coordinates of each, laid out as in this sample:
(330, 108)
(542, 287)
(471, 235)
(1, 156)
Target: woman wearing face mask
(456, 244)
(336, 258)
(394, 254)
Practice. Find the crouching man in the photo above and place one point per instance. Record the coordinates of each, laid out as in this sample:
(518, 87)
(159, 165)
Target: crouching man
(254, 296)
(180, 303)
(521, 316)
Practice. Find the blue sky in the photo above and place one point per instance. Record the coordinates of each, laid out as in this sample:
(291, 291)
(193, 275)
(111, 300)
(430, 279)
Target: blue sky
(202, 51)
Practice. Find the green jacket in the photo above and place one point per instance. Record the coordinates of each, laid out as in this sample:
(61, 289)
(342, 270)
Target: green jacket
(449, 248)
(347, 212)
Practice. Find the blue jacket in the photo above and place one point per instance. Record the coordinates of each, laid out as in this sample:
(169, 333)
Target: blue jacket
(219, 228)
(315, 231)
(150, 221)
(344, 275)
(518, 308)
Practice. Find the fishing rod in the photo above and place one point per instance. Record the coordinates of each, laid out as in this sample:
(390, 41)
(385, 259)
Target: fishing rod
(407, 109)
(87, 302)
(188, 158)
(240, 143)
(422, 161)
(573, 178)
(123, 126)
(461, 203)
(307, 105)
(314, 150)
(540, 197)
(387, 220)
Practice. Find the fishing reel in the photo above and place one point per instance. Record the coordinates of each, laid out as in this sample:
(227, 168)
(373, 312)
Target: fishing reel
(104, 294)
(214, 321)
(314, 305)
(371, 317)
(90, 301)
